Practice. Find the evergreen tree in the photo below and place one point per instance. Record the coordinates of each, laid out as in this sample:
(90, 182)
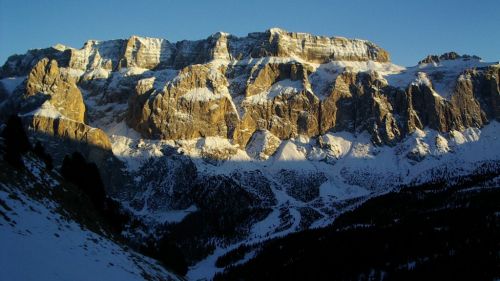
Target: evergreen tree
(40, 152)
(86, 176)
(16, 141)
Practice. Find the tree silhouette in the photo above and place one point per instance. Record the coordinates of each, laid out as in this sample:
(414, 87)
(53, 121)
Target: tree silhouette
(86, 176)
(40, 152)
(16, 141)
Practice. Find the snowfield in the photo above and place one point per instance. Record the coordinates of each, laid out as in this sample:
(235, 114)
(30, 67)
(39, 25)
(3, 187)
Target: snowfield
(38, 243)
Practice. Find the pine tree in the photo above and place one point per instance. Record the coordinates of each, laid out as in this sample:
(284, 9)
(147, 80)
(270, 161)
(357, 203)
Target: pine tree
(16, 141)
(86, 176)
(40, 152)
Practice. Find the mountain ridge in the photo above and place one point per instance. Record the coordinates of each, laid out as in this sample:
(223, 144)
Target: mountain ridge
(283, 82)
(211, 149)
(266, 43)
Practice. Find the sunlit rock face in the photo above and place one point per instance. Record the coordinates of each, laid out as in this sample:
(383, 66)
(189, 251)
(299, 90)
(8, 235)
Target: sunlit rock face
(287, 83)
(46, 80)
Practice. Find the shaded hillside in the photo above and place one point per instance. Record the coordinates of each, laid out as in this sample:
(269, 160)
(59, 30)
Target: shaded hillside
(51, 229)
(429, 232)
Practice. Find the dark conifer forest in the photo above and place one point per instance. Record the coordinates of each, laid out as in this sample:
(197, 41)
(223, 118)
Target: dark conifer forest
(428, 232)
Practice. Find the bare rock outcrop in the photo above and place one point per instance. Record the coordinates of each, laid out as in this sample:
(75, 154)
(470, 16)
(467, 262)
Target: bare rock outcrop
(46, 82)
(285, 83)
(195, 104)
(69, 129)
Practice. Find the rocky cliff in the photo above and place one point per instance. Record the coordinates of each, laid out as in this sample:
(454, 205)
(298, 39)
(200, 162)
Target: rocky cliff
(286, 83)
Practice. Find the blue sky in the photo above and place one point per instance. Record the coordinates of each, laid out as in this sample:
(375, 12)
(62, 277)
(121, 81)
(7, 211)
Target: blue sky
(409, 30)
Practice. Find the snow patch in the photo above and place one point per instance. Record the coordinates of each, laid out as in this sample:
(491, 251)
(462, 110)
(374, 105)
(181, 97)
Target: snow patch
(283, 87)
(46, 110)
(201, 95)
(443, 75)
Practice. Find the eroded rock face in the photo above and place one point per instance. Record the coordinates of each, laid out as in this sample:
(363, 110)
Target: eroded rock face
(225, 99)
(154, 53)
(195, 104)
(319, 49)
(45, 82)
(277, 99)
(473, 103)
(485, 89)
(51, 104)
(69, 129)
(363, 101)
(288, 84)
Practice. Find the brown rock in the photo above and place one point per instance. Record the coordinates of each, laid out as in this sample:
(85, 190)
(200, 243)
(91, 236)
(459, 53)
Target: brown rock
(46, 81)
(71, 130)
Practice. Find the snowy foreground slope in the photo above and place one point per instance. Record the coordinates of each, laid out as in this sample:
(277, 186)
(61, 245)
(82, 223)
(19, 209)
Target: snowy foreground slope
(40, 242)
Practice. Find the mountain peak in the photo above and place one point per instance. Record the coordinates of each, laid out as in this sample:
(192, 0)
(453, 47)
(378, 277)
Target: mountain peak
(274, 30)
(447, 57)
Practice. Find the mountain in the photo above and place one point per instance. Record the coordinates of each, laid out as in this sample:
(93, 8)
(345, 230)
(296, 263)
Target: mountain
(225, 141)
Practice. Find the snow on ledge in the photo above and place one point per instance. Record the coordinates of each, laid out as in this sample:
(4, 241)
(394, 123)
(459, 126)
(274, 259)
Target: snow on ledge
(201, 95)
(46, 110)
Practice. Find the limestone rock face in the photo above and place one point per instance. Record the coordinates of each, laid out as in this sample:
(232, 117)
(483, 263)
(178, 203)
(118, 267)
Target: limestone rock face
(146, 52)
(155, 53)
(51, 104)
(96, 55)
(283, 83)
(473, 103)
(363, 101)
(45, 81)
(277, 99)
(320, 49)
(485, 88)
(195, 104)
(178, 129)
(71, 130)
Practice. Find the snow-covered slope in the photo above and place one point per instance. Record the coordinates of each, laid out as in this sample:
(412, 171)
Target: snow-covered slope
(442, 75)
(40, 241)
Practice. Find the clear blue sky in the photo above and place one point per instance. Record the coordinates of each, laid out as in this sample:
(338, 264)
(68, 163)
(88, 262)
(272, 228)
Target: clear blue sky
(409, 30)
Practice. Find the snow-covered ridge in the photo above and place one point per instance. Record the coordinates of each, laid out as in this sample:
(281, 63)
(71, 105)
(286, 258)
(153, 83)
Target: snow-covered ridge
(442, 75)
(45, 110)
(306, 175)
(157, 53)
(331, 149)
